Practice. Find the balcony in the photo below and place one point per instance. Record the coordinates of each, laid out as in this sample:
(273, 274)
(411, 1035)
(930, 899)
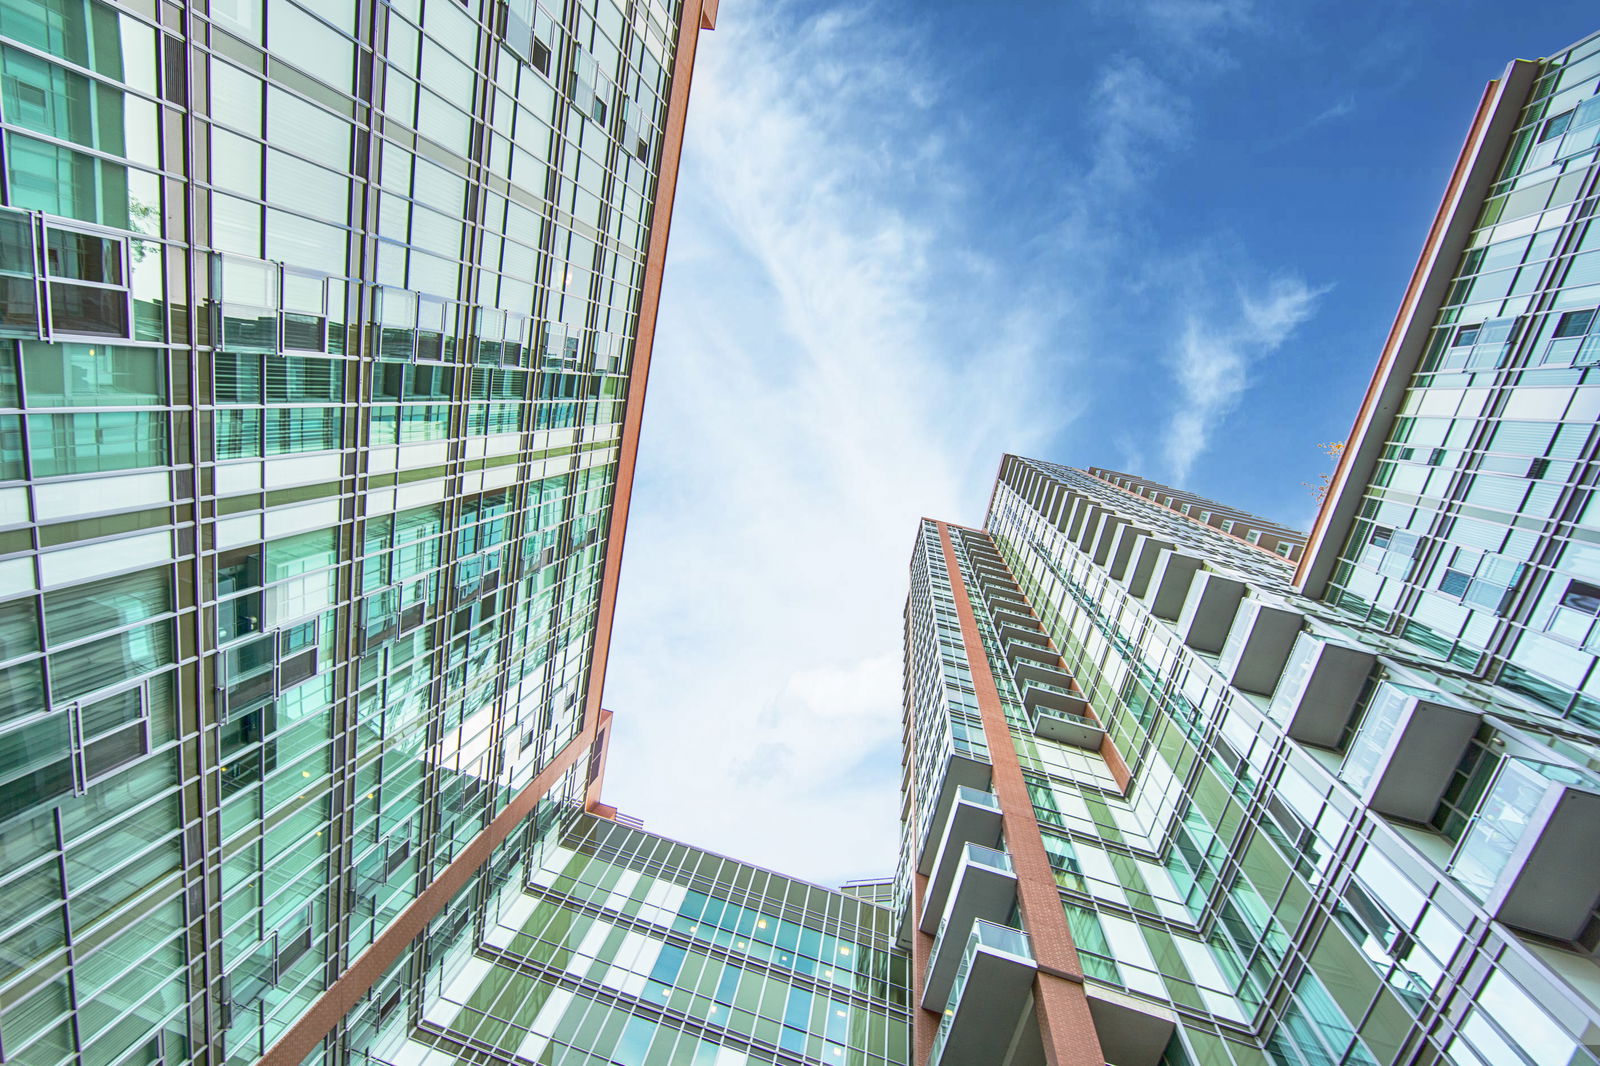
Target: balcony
(1122, 547)
(987, 997)
(960, 774)
(1258, 646)
(1069, 727)
(974, 819)
(1005, 612)
(996, 595)
(1072, 517)
(1084, 523)
(1529, 852)
(1144, 554)
(1011, 630)
(1405, 750)
(1021, 651)
(984, 888)
(1170, 579)
(1132, 1030)
(1105, 536)
(1319, 688)
(1208, 611)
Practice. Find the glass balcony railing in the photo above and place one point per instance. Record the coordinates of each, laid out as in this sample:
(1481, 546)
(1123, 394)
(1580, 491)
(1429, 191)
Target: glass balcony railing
(1069, 716)
(990, 857)
(978, 796)
(976, 853)
(1045, 686)
(985, 934)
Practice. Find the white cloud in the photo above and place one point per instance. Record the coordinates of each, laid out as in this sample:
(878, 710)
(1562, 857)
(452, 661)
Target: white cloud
(1213, 356)
(835, 359)
(843, 349)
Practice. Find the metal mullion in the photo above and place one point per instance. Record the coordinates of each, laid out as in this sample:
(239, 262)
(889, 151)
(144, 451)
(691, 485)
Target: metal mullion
(71, 943)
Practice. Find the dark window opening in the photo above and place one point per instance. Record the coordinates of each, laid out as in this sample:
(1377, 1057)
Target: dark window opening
(1582, 596)
(1555, 126)
(1575, 323)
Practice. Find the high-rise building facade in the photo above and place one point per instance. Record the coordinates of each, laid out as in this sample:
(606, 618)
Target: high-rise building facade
(325, 332)
(1183, 787)
(325, 336)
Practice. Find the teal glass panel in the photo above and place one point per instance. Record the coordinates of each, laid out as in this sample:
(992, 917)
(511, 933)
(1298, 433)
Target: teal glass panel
(95, 443)
(93, 375)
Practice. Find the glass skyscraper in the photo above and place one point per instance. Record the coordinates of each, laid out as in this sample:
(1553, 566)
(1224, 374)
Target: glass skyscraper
(325, 328)
(325, 331)
(1189, 789)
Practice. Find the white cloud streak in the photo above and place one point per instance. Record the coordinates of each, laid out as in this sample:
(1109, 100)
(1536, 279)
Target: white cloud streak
(840, 352)
(1212, 360)
(835, 359)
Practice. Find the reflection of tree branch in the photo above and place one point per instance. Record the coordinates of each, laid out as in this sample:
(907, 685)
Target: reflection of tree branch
(145, 218)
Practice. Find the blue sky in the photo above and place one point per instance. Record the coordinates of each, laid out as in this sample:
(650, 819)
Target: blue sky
(1166, 236)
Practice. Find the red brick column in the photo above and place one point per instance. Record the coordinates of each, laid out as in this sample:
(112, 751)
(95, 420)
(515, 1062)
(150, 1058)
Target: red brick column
(1063, 1008)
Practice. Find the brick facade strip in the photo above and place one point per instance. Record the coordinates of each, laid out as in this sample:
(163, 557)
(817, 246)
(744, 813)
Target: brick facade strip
(1065, 1025)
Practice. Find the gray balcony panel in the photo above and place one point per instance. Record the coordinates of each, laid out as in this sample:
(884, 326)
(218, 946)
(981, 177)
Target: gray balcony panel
(1417, 758)
(1122, 549)
(1018, 651)
(1209, 610)
(1169, 585)
(1144, 554)
(1132, 1031)
(973, 820)
(1552, 879)
(960, 771)
(1063, 516)
(1258, 646)
(1106, 535)
(978, 891)
(1317, 693)
(990, 1009)
(1068, 726)
(1083, 519)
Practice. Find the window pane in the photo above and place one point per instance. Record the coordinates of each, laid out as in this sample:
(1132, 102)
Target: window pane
(88, 443)
(21, 690)
(104, 663)
(302, 429)
(19, 311)
(93, 375)
(83, 257)
(83, 611)
(88, 309)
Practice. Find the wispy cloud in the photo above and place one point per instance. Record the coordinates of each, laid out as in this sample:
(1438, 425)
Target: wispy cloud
(1213, 356)
(855, 326)
(837, 357)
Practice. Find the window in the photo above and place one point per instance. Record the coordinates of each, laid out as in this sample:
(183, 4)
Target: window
(1573, 618)
(1575, 323)
(1582, 596)
(88, 283)
(1575, 342)
(1489, 342)
(19, 296)
(249, 304)
(259, 670)
(290, 404)
(1396, 550)
(110, 732)
(1480, 579)
(1555, 126)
